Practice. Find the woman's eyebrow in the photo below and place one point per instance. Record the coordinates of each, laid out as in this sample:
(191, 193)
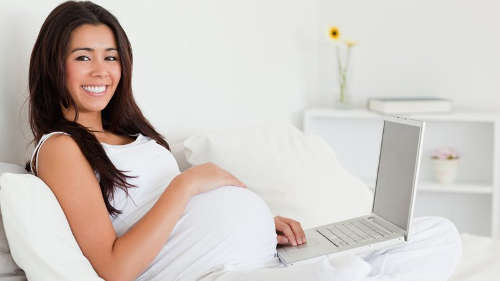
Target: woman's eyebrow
(91, 49)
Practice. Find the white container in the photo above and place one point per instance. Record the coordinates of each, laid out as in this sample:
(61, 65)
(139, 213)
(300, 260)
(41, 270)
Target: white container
(445, 170)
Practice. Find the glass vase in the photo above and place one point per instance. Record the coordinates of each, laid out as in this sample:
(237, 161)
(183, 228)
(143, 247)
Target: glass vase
(343, 100)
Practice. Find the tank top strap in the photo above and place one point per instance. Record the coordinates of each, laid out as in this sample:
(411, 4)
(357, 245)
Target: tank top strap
(37, 148)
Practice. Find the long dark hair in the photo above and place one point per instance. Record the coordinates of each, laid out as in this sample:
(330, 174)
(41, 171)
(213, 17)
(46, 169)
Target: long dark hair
(48, 92)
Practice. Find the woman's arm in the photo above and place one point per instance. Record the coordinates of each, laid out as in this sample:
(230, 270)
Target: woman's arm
(65, 170)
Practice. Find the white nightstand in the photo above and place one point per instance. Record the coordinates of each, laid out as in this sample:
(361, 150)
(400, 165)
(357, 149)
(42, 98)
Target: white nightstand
(472, 202)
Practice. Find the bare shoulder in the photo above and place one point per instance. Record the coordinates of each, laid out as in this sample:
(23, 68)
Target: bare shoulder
(60, 151)
(59, 144)
(61, 160)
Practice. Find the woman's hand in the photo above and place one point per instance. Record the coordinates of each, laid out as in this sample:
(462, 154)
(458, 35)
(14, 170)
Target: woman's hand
(206, 177)
(289, 231)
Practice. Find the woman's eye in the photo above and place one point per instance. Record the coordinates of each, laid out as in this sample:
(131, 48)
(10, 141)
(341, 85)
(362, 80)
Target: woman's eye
(83, 58)
(111, 58)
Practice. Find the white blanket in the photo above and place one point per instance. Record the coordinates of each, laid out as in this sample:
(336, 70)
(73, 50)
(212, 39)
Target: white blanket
(352, 268)
(431, 254)
(480, 261)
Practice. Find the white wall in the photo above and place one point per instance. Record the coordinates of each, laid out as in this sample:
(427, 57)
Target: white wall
(197, 63)
(445, 48)
(223, 63)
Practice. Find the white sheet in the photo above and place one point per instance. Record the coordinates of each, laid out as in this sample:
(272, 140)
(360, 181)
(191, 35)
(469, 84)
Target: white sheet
(431, 255)
(480, 260)
(351, 268)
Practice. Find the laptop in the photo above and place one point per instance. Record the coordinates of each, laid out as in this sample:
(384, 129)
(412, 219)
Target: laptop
(390, 220)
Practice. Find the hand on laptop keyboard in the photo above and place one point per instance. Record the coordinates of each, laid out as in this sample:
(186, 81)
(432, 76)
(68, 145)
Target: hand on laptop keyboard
(289, 231)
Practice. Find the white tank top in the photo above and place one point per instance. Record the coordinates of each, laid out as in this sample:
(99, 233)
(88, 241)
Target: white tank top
(228, 226)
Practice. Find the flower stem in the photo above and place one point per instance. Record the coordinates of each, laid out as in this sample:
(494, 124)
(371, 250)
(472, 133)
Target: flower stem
(342, 70)
(339, 63)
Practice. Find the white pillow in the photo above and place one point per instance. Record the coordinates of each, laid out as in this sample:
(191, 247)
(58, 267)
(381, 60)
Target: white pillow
(7, 265)
(297, 175)
(11, 168)
(40, 239)
(177, 150)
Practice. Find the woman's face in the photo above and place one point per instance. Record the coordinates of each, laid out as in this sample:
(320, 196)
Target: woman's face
(93, 67)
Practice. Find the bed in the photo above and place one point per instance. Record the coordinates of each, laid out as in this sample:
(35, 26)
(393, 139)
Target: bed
(480, 260)
(282, 148)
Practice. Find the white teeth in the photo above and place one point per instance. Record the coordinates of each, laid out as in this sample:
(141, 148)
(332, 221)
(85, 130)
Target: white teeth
(94, 89)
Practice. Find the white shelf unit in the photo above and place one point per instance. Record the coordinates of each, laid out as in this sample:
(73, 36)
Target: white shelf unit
(472, 202)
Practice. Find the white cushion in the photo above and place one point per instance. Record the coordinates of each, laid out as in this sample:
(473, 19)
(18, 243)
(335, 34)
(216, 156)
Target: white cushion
(40, 239)
(297, 175)
(7, 265)
(177, 150)
(11, 168)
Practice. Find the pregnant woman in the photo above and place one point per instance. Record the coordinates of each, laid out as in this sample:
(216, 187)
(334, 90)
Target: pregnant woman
(134, 215)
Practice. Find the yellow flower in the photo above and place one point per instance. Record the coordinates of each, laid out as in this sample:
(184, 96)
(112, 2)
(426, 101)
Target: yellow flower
(334, 33)
(350, 43)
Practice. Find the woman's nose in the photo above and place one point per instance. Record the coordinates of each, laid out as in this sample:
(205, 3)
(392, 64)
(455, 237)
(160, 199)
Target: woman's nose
(99, 69)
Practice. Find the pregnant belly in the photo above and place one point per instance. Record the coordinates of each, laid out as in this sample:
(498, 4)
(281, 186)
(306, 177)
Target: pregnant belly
(226, 226)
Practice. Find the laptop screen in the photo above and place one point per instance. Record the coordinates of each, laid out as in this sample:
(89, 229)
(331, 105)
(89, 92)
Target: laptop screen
(399, 155)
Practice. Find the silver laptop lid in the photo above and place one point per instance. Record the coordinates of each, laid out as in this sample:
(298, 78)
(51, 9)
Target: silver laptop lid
(397, 174)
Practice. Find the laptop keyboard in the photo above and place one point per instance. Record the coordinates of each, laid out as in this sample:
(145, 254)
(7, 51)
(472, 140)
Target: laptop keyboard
(354, 232)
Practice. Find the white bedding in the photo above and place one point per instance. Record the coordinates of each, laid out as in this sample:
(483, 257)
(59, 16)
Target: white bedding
(431, 254)
(346, 268)
(480, 260)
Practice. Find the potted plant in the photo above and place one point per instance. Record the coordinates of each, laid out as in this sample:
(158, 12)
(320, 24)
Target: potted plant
(445, 163)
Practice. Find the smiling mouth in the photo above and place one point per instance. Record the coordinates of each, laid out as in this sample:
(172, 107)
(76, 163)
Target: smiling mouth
(95, 90)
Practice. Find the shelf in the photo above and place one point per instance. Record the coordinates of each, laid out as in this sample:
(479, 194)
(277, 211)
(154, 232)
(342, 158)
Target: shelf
(351, 113)
(470, 188)
(362, 113)
(456, 188)
(458, 116)
(355, 136)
